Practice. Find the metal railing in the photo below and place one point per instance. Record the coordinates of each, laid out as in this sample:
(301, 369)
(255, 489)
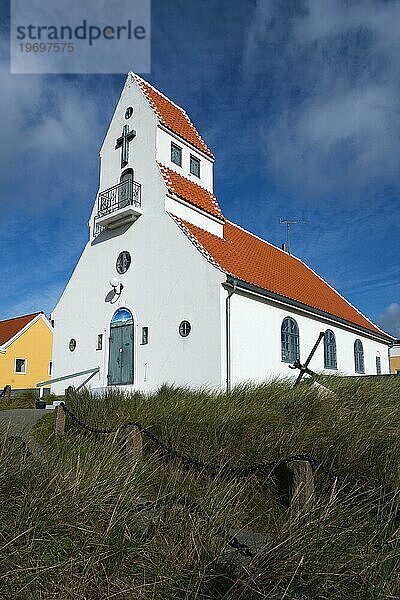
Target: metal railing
(90, 372)
(126, 193)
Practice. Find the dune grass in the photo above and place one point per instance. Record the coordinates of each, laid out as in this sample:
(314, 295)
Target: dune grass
(356, 433)
(69, 530)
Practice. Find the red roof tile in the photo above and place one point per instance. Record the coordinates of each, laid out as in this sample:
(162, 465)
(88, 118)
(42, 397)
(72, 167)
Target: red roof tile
(172, 116)
(250, 259)
(191, 192)
(11, 327)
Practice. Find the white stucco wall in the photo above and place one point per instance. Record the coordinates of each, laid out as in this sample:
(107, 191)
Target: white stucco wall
(164, 139)
(256, 341)
(168, 281)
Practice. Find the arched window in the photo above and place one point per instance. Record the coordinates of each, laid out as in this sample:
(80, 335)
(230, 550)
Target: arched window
(330, 361)
(290, 340)
(359, 357)
(122, 316)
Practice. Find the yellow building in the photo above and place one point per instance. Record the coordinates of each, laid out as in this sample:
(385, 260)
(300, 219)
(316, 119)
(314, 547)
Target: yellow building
(25, 351)
(394, 354)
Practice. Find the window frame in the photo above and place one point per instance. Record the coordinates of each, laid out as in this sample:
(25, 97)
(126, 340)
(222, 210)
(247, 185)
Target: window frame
(330, 351)
(175, 146)
(99, 341)
(187, 331)
(145, 335)
(378, 364)
(359, 363)
(290, 341)
(197, 161)
(25, 364)
(120, 267)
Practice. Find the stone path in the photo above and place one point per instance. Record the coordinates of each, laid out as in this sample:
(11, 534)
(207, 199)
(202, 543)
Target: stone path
(20, 421)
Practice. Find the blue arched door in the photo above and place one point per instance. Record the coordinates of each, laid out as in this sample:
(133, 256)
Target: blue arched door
(120, 359)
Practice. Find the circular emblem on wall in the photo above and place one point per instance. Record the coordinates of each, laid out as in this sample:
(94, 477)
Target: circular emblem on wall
(72, 344)
(185, 328)
(123, 262)
(129, 112)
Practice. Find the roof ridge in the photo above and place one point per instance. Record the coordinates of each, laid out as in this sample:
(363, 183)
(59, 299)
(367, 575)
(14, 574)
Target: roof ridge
(201, 146)
(140, 79)
(312, 271)
(34, 314)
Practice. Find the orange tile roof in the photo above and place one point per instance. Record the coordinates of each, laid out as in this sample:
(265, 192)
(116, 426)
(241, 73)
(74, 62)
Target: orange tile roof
(172, 116)
(11, 327)
(190, 191)
(250, 259)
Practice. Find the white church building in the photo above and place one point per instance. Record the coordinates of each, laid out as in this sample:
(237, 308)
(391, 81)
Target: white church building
(168, 290)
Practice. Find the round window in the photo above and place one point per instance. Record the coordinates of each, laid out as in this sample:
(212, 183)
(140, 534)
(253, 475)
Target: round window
(185, 328)
(123, 262)
(129, 112)
(72, 344)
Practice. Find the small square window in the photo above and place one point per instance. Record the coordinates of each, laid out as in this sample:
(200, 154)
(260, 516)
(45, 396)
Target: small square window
(99, 342)
(194, 166)
(20, 365)
(145, 335)
(176, 154)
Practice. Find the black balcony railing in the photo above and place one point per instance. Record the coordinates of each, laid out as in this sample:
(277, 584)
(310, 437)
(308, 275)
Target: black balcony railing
(126, 193)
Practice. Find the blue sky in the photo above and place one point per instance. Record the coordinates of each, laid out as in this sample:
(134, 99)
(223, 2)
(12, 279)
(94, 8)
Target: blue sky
(299, 100)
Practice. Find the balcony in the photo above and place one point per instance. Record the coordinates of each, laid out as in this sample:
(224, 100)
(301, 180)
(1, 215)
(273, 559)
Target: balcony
(119, 205)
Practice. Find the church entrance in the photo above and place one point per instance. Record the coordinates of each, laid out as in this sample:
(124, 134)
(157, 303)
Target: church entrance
(120, 360)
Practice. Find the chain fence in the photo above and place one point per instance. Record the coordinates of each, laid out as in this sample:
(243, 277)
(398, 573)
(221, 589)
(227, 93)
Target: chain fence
(237, 470)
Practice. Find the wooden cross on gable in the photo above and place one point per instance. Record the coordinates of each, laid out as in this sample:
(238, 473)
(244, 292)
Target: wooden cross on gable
(123, 143)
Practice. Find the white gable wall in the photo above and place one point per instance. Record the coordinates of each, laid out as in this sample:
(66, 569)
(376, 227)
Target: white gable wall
(168, 281)
(256, 341)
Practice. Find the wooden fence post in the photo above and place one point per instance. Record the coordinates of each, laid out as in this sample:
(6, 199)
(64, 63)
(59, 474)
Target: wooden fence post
(301, 485)
(133, 443)
(7, 393)
(59, 421)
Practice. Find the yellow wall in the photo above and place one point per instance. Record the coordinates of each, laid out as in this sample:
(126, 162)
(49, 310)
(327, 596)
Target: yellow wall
(36, 346)
(394, 364)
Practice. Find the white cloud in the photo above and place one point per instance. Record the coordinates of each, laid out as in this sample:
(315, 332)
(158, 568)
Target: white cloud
(41, 300)
(335, 127)
(390, 319)
(51, 127)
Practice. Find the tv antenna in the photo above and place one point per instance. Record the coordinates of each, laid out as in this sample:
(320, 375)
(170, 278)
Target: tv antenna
(288, 223)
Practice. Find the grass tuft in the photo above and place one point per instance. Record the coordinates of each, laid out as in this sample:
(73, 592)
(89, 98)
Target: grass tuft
(68, 529)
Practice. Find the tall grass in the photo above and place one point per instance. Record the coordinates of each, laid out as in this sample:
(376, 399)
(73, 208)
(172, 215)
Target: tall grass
(68, 528)
(355, 432)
